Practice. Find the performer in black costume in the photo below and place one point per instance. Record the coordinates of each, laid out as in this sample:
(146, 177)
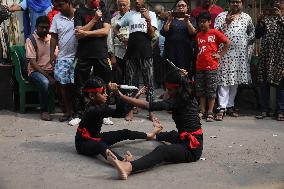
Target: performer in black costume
(89, 140)
(186, 143)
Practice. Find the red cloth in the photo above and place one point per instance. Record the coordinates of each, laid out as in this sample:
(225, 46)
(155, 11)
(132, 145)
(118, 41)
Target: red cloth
(51, 14)
(86, 135)
(193, 142)
(214, 11)
(208, 43)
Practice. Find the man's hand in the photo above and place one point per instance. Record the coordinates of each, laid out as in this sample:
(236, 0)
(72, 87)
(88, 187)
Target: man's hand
(80, 33)
(230, 18)
(98, 16)
(216, 56)
(113, 60)
(145, 13)
(278, 12)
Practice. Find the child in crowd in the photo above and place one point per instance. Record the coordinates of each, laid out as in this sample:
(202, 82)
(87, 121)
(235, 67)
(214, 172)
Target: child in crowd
(186, 143)
(63, 35)
(208, 41)
(89, 140)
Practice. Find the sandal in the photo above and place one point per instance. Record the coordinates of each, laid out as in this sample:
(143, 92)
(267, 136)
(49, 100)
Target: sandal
(232, 112)
(65, 117)
(280, 117)
(210, 117)
(220, 114)
(201, 115)
(261, 115)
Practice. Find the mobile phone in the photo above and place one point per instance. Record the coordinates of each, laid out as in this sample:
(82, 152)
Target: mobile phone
(143, 6)
(178, 14)
(268, 11)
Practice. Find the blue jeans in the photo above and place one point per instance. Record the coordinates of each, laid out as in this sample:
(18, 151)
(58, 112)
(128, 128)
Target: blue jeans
(43, 85)
(265, 96)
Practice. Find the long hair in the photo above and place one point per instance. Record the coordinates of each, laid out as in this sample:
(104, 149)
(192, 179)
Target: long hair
(185, 92)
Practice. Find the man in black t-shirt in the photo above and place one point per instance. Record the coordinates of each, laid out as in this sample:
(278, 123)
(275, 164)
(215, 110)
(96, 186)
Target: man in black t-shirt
(139, 54)
(92, 25)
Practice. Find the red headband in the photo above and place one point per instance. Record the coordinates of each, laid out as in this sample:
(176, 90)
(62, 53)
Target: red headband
(172, 85)
(93, 90)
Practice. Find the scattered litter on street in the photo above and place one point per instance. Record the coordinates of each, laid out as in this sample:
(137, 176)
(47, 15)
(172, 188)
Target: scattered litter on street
(203, 159)
(275, 135)
(213, 136)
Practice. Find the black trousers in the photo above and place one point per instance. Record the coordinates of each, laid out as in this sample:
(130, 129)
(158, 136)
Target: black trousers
(93, 148)
(176, 152)
(101, 68)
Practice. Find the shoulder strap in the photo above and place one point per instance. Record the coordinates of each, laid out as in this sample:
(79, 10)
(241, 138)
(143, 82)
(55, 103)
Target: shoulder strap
(33, 40)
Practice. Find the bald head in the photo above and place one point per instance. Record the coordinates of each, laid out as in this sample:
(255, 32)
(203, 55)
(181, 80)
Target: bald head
(159, 10)
(123, 6)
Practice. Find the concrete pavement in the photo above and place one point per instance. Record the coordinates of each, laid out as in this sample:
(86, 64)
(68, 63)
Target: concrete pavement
(246, 153)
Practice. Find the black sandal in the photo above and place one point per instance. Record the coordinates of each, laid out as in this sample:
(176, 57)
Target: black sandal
(280, 117)
(210, 117)
(233, 112)
(220, 114)
(261, 115)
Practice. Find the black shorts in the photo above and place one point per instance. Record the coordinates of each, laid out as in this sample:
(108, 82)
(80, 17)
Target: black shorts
(206, 83)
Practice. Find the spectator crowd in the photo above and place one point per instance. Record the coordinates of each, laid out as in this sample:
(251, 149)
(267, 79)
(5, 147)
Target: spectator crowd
(76, 42)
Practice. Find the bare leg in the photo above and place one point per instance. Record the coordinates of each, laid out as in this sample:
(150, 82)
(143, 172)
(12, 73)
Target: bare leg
(202, 104)
(67, 99)
(124, 168)
(129, 116)
(211, 102)
(157, 129)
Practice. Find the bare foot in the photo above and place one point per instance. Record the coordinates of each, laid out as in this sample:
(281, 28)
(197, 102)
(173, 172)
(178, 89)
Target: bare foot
(124, 168)
(129, 116)
(157, 129)
(151, 116)
(128, 157)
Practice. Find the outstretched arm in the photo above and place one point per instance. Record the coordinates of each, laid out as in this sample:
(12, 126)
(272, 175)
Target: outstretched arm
(134, 101)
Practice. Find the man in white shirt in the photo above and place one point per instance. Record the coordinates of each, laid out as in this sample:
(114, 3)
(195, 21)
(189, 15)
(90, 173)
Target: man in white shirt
(139, 55)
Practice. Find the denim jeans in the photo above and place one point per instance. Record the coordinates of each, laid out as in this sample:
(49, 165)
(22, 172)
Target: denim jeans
(43, 84)
(265, 96)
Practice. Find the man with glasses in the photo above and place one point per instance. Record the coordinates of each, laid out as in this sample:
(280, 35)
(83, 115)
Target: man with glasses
(207, 5)
(40, 70)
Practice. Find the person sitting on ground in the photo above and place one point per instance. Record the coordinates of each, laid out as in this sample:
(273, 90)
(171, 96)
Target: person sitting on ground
(186, 143)
(208, 42)
(40, 70)
(89, 139)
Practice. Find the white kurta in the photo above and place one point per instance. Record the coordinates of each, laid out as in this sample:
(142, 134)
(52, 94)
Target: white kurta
(234, 67)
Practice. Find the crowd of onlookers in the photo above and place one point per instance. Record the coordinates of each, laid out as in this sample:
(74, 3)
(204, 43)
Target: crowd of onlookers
(77, 41)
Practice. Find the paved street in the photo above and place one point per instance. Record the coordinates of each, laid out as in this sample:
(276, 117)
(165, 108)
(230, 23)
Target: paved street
(239, 153)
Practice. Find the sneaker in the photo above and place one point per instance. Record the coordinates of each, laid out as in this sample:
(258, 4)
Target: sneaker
(74, 121)
(107, 121)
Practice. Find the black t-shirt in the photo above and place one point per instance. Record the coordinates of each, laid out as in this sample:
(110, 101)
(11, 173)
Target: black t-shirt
(91, 47)
(185, 116)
